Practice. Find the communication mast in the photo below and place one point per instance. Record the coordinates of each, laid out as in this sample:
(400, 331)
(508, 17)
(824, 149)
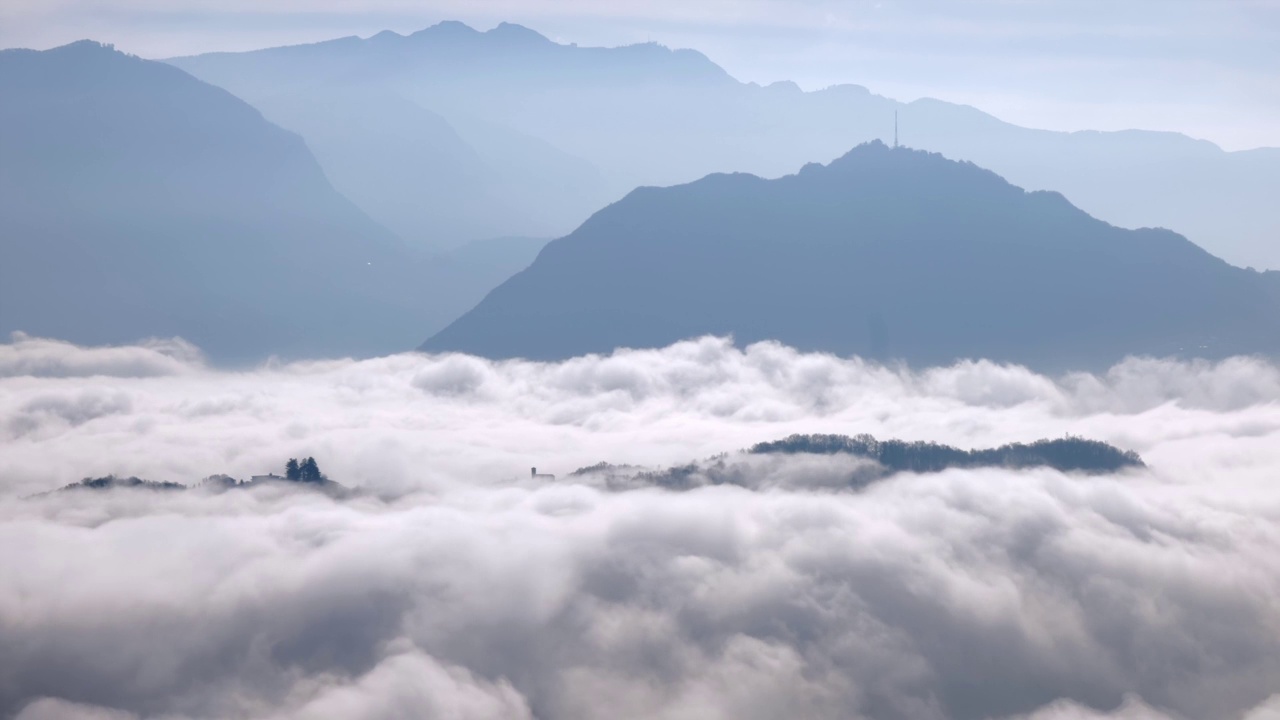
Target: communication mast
(895, 129)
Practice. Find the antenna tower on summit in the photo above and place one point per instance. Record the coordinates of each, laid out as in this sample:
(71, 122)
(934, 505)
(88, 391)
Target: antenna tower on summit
(895, 128)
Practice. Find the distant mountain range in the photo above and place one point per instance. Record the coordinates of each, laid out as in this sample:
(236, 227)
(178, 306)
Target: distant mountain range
(538, 134)
(138, 201)
(434, 184)
(436, 174)
(886, 253)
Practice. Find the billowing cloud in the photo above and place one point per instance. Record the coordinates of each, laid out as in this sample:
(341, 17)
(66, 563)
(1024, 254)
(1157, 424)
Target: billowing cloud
(460, 588)
(39, 357)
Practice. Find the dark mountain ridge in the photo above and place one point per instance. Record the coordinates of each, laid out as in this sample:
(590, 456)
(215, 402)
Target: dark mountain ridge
(887, 253)
(1069, 454)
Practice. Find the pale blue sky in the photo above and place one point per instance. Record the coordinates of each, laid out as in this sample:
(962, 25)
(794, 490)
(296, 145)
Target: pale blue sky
(1210, 68)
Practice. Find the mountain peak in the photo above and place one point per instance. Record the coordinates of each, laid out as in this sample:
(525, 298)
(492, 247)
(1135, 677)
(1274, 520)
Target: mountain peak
(504, 33)
(447, 29)
(512, 32)
(88, 44)
(888, 253)
(78, 53)
(86, 48)
(912, 171)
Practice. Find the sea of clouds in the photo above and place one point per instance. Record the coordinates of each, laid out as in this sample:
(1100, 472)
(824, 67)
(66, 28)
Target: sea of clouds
(457, 587)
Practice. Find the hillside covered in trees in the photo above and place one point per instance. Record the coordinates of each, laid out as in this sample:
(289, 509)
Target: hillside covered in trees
(1069, 454)
(301, 473)
(855, 462)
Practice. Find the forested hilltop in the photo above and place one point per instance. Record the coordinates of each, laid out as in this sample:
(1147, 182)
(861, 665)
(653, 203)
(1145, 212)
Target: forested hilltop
(304, 473)
(1069, 454)
(841, 462)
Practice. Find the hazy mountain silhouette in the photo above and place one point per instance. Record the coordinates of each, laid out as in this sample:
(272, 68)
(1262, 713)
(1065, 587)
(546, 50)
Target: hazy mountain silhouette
(646, 115)
(436, 181)
(402, 164)
(136, 201)
(458, 279)
(885, 253)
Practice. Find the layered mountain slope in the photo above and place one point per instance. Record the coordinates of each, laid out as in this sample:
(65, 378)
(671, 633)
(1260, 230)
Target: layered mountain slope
(136, 201)
(885, 253)
(402, 164)
(646, 115)
(437, 179)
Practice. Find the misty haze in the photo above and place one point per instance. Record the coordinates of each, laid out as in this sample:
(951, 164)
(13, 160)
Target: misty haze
(884, 359)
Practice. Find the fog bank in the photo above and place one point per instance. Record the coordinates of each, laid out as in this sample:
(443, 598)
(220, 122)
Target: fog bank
(460, 588)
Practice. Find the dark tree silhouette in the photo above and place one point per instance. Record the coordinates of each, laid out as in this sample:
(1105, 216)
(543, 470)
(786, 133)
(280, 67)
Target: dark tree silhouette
(311, 471)
(1066, 454)
(111, 482)
(291, 470)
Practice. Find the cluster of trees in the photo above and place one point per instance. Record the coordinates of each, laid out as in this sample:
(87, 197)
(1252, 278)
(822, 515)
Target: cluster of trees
(301, 471)
(1065, 454)
(111, 482)
(305, 471)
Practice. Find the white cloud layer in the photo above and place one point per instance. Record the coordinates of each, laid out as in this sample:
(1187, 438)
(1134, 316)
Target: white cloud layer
(461, 589)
